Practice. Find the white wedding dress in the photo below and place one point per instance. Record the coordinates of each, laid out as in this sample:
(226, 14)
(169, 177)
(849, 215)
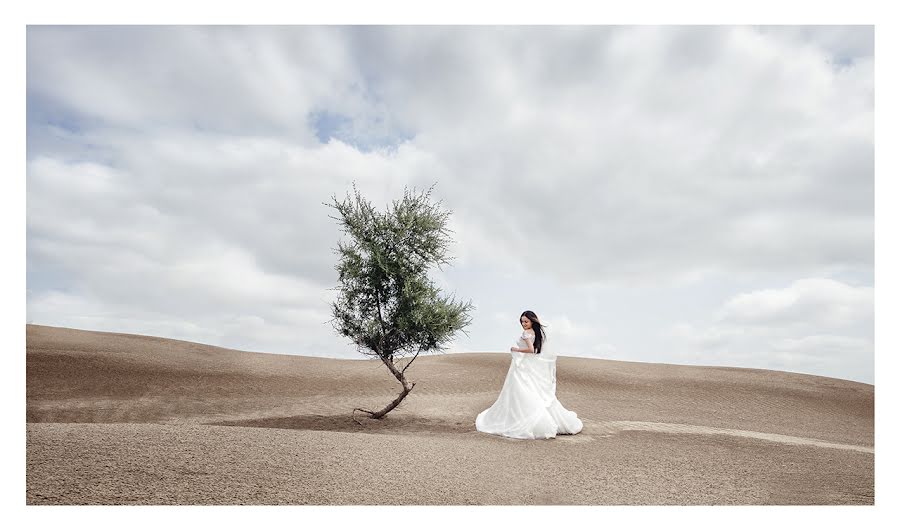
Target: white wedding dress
(527, 407)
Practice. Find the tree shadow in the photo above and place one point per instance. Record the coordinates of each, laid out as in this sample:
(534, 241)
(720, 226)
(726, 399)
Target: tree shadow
(390, 424)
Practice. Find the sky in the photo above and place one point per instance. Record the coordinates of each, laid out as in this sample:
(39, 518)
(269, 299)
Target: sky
(670, 194)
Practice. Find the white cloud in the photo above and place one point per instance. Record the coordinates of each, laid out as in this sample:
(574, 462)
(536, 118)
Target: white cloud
(655, 147)
(240, 79)
(814, 325)
(179, 170)
(573, 338)
(752, 154)
(817, 302)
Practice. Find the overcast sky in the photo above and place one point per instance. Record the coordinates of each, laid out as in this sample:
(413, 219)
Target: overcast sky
(692, 195)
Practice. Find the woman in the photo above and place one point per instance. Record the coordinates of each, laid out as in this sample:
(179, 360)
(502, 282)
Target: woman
(527, 407)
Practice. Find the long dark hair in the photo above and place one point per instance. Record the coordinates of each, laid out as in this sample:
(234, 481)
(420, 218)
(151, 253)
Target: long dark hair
(539, 332)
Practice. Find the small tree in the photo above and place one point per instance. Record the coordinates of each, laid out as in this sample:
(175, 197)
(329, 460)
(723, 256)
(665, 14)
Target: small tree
(387, 304)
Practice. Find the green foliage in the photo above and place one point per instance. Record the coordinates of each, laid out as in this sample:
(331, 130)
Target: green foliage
(387, 304)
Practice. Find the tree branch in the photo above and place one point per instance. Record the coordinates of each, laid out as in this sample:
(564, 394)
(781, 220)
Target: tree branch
(381, 323)
(411, 360)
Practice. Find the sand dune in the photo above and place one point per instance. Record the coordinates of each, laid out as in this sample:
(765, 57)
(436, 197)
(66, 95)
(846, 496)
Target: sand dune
(126, 419)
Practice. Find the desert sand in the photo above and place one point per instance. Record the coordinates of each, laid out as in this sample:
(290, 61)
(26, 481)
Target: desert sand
(127, 419)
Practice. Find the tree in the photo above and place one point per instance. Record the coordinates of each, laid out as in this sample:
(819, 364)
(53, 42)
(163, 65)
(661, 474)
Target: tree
(386, 304)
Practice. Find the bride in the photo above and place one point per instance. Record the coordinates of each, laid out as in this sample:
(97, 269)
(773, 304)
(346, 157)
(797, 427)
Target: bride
(527, 407)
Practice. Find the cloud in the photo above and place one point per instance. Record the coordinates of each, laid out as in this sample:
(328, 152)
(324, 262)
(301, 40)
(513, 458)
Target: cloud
(246, 80)
(655, 148)
(536, 132)
(814, 325)
(178, 173)
(198, 229)
(569, 336)
(816, 302)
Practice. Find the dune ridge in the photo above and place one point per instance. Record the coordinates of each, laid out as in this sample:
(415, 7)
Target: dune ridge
(116, 418)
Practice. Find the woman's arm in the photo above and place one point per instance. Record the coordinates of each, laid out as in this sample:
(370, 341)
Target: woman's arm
(530, 342)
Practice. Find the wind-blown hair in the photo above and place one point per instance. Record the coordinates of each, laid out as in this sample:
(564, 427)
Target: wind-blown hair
(539, 331)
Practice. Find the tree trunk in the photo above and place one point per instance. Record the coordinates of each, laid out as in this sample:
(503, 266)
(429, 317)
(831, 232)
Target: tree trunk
(407, 388)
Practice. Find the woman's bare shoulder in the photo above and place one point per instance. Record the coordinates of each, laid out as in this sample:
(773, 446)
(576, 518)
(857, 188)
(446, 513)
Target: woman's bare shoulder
(529, 332)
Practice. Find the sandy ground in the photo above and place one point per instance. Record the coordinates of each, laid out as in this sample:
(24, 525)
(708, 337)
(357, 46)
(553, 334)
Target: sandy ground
(126, 419)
